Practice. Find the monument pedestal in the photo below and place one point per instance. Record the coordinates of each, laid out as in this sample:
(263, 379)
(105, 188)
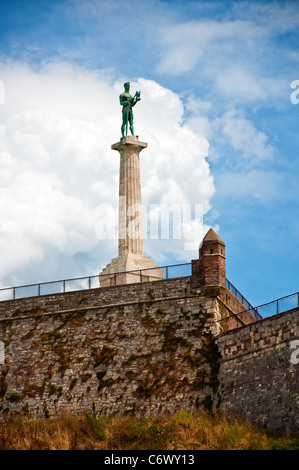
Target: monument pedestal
(130, 237)
(141, 269)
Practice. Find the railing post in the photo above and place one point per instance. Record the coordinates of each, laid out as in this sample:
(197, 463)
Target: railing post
(63, 286)
(89, 282)
(14, 293)
(38, 289)
(166, 272)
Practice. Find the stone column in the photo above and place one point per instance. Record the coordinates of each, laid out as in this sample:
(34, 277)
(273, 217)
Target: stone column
(130, 236)
(130, 229)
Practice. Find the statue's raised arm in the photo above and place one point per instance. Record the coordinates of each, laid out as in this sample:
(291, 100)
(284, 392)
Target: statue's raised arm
(127, 101)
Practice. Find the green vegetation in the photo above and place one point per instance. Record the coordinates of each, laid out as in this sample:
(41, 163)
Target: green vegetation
(181, 431)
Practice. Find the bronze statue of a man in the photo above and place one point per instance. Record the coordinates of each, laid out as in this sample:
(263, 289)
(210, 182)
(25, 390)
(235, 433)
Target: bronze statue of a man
(127, 102)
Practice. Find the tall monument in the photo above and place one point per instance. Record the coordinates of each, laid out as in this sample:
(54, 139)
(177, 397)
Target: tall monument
(130, 227)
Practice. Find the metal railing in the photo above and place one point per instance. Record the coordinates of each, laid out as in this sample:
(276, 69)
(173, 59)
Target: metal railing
(247, 305)
(96, 281)
(281, 305)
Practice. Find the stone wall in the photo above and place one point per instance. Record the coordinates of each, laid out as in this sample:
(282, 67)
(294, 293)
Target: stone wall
(259, 374)
(144, 348)
(147, 349)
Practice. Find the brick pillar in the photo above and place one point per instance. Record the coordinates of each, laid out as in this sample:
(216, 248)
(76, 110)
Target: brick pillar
(209, 270)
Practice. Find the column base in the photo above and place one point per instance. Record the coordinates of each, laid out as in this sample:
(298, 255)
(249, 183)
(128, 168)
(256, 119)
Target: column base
(115, 273)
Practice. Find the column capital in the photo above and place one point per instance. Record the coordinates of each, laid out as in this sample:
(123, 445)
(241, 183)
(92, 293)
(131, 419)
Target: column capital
(128, 141)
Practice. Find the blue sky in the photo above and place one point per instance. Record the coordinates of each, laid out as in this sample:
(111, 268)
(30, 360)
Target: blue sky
(219, 72)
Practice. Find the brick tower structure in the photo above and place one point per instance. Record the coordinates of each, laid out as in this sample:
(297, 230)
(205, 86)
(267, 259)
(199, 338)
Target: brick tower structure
(209, 269)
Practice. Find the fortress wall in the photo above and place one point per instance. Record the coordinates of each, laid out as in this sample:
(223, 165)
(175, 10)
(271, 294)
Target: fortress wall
(259, 373)
(146, 349)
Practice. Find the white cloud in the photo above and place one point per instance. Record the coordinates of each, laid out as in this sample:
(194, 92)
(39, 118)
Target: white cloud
(176, 153)
(57, 166)
(237, 83)
(242, 135)
(231, 133)
(186, 44)
(239, 57)
(279, 17)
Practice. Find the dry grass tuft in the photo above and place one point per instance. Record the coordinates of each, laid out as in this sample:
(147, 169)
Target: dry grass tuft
(182, 431)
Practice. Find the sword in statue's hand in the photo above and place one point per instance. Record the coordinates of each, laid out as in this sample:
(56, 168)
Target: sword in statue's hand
(127, 117)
